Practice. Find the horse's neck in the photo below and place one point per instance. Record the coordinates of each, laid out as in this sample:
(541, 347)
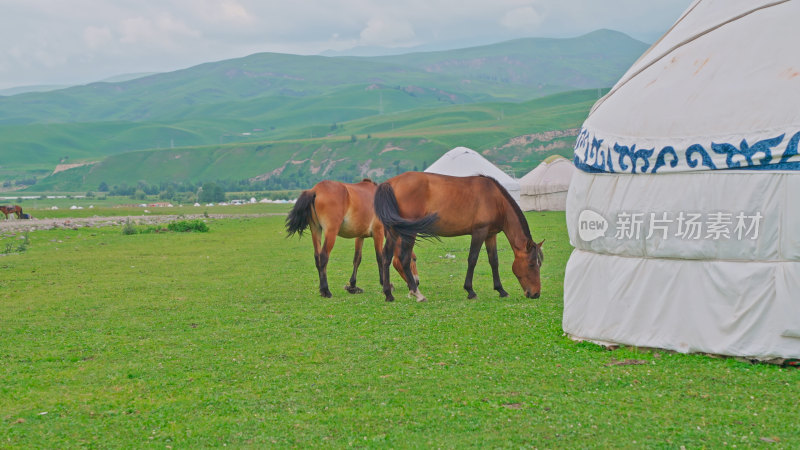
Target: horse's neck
(512, 227)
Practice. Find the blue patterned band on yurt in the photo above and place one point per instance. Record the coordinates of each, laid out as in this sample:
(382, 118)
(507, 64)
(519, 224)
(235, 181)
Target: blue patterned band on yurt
(594, 154)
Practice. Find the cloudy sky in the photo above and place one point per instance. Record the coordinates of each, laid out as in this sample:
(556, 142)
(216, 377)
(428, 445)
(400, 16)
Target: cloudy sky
(78, 41)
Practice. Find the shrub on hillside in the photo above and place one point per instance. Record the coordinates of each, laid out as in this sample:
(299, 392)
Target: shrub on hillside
(129, 228)
(188, 226)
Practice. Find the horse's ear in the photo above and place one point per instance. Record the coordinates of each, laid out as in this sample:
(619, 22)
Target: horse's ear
(541, 243)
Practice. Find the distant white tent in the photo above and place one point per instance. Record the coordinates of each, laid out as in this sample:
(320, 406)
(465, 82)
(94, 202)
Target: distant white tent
(465, 162)
(545, 187)
(683, 214)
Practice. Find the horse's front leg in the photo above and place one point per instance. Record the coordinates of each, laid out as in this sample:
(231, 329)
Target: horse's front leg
(474, 251)
(352, 288)
(491, 250)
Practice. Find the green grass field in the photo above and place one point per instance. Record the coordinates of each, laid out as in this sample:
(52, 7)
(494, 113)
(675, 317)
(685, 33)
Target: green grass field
(106, 208)
(220, 338)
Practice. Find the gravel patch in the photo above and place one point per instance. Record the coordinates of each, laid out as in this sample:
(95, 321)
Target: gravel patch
(19, 225)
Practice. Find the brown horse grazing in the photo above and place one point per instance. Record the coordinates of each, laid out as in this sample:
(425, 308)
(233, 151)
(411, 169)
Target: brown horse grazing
(416, 204)
(16, 209)
(333, 209)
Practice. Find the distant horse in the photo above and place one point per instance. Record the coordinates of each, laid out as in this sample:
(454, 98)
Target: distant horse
(426, 205)
(16, 209)
(333, 209)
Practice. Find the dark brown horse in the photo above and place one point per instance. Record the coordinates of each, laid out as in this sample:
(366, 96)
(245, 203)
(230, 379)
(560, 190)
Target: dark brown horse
(332, 209)
(416, 204)
(16, 209)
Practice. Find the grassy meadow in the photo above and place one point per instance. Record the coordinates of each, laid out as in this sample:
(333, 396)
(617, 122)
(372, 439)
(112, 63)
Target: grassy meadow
(40, 209)
(209, 339)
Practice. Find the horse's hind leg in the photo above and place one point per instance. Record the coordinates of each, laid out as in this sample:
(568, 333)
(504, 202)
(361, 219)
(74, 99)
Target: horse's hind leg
(474, 251)
(406, 252)
(351, 288)
(491, 250)
(324, 256)
(377, 240)
(385, 262)
(414, 268)
(322, 253)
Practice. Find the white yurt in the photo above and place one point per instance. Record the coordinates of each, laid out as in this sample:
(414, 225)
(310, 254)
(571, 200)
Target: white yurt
(545, 187)
(682, 212)
(465, 162)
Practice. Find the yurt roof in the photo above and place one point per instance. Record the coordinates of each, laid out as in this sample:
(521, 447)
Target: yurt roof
(552, 158)
(706, 120)
(551, 175)
(464, 162)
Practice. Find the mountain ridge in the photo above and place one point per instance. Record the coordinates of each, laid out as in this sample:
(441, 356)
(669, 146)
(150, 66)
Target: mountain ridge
(272, 98)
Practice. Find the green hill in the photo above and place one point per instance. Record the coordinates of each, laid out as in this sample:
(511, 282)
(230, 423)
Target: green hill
(376, 147)
(288, 104)
(540, 65)
(517, 70)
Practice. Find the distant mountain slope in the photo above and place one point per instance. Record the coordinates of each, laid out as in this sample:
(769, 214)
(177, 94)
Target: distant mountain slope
(512, 71)
(341, 109)
(35, 88)
(595, 59)
(515, 135)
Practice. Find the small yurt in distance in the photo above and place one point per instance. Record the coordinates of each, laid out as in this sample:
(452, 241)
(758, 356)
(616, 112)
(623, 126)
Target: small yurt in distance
(683, 212)
(545, 187)
(465, 162)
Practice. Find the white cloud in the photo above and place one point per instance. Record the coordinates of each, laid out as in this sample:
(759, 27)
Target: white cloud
(387, 33)
(234, 11)
(525, 18)
(55, 41)
(160, 30)
(96, 37)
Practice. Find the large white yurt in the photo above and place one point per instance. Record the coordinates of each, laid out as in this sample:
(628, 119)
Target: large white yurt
(545, 187)
(465, 162)
(682, 213)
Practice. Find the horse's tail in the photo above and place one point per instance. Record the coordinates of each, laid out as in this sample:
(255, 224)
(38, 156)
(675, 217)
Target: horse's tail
(300, 215)
(388, 212)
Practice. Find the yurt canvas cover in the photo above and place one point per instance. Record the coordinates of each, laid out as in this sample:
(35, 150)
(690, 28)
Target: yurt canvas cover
(465, 162)
(683, 214)
(545, 187)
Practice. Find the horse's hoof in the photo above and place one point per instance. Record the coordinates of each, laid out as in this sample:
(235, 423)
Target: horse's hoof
(353, 289)
(326, 294)
(389, 298)
(503, 293)
(472, 296)
(417, 295)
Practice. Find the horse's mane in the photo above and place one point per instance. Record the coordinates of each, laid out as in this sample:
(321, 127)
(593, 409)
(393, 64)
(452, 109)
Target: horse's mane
(522, 220)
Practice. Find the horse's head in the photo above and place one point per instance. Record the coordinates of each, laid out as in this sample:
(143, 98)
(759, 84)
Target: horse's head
(526, 267)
